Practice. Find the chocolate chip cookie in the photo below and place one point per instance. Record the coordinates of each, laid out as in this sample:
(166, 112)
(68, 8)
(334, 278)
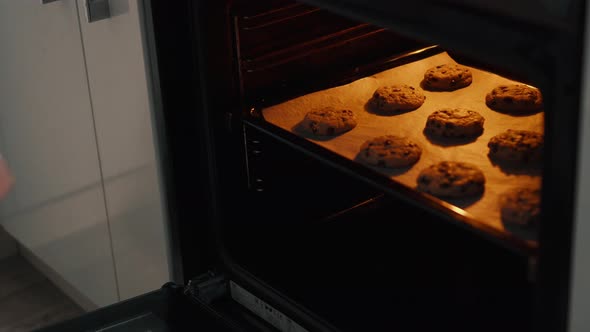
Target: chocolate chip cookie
(521, 206)
(396, 99)
(454, 122)
(390, 151)
(515, 98)
(447, 77)
(329, 121)
(520, 146)
(451, 179)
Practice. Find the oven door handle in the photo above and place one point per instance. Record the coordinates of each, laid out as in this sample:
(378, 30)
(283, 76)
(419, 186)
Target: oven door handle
(97, 10)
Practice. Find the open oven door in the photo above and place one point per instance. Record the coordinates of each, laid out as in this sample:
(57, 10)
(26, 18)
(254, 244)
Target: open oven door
(208, 303)
(166, 309)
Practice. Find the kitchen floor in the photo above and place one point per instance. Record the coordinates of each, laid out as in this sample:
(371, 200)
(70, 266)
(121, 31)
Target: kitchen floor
(28, 300)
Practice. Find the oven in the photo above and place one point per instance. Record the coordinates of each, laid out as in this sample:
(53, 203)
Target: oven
(312, 221)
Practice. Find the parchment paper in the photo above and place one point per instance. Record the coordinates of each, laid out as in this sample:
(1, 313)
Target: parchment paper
(355, 95)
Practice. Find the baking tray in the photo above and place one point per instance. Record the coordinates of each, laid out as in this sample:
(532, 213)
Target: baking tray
(483, 210)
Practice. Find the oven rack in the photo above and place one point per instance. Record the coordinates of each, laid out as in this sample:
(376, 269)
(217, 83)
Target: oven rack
(446, 211)
(298, 45)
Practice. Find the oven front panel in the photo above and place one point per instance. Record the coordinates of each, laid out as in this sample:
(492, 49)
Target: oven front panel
(313, 223)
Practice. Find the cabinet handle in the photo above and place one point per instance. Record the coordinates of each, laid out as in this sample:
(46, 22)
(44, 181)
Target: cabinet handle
(97, 10)
(43, 2)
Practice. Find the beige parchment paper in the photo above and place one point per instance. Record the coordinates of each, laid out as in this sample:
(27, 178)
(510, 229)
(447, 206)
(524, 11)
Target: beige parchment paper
(354, 96)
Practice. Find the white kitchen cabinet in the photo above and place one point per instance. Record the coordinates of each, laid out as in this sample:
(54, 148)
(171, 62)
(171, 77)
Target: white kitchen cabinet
(46, 126)
(118, 80)
(135, 216)
(76, 130)
(56, 208)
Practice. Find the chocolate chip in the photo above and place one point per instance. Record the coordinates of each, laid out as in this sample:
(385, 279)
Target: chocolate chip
(424, 179)
(388, 142)
(314, 127)
(453, 83)
(406, 153)
(460, 76)
(493, 102)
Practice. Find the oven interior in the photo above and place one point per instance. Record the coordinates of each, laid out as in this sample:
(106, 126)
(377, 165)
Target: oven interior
(353, 243)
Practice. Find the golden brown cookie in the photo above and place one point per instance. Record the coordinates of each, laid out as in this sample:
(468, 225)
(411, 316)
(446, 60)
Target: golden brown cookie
(521, 206)
(390, 151)
(454, 122)
(396, 99)
(447, 77)
(521, 146)
(329, 121)
(515, 98)
(451, 179)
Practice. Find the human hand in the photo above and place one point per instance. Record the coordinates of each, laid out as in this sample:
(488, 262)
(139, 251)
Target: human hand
(6, 178)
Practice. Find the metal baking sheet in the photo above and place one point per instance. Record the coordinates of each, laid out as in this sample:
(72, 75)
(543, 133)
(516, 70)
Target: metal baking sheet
(354, 96)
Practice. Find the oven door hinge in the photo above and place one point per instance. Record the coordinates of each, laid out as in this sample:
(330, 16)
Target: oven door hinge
(207, 287)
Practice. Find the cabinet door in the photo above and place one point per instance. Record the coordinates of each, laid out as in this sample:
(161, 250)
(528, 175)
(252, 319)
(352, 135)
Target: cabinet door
(45, 113)
(56, 208)
(119, 83)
